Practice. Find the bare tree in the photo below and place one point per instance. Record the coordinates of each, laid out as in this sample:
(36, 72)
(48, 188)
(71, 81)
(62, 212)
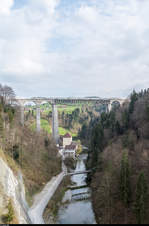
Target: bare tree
(1, 92)
(7, 94)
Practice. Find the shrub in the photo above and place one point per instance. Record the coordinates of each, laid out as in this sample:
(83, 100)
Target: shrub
(16, 152)
(7, 218)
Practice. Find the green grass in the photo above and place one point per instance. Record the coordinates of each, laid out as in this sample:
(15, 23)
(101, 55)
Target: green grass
(47, 127)
(68, 109)
(44, 125)
(63, 131)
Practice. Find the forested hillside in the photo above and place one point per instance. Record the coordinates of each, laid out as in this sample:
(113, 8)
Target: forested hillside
(23, 150)
(119, 155)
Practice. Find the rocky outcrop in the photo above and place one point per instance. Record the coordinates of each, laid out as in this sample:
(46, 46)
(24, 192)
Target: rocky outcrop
(12, 187)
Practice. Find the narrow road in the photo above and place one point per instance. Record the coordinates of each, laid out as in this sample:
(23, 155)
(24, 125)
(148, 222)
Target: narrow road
(41, 200)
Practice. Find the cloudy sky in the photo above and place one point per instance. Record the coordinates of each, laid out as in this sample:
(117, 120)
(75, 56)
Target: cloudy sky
(74, 47)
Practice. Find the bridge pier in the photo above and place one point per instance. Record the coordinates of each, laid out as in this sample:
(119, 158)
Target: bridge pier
(109, 107)
(21, 103)
(55, 132)
(37, 102)
(22, 115)
(38, 118)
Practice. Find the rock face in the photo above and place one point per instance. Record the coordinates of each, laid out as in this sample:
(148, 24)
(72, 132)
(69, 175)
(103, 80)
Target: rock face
(12, 187)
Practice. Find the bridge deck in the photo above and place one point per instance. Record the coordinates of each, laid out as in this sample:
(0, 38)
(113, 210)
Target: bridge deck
(59, 100)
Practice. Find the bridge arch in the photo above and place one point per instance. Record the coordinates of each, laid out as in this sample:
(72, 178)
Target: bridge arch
(115, 104)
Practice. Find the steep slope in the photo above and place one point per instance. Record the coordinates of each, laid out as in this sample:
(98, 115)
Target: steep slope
(12, 188)
(119, 155)
(25, 153)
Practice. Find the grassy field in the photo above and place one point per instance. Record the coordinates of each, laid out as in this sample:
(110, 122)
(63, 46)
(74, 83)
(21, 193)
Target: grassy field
(46, 109)
(47, 127)
(63, 131)
(68, 109)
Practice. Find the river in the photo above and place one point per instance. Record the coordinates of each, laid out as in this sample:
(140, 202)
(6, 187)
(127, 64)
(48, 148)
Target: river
(79, 208)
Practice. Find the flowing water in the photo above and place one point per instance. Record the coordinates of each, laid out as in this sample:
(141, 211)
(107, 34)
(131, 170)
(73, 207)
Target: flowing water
(79, 209)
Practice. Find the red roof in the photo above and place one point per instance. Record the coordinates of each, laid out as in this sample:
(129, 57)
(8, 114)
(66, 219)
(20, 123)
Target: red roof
(67, 135)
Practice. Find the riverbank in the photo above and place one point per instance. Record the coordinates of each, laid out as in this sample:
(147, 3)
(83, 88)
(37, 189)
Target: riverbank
(51, 210)
(41, 200)
(76, 202)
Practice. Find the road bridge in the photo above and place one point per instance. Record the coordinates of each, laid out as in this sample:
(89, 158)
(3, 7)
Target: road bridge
(54, 101)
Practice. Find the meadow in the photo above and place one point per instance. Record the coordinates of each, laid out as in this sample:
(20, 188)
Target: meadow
(48, 128)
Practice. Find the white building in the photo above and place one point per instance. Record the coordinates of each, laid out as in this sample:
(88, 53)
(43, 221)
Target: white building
(67, 148)
(70, 150)
(66, 140)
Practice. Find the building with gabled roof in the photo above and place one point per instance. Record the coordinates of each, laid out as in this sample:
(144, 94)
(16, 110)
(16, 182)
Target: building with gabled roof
(67, 135)
(70, 150)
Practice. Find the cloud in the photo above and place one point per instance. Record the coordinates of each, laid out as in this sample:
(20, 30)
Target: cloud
(5, 6)
(23, 35)
(91, 47)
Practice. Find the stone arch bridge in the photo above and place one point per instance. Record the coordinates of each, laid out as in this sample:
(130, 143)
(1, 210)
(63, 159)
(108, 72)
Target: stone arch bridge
(55, 101)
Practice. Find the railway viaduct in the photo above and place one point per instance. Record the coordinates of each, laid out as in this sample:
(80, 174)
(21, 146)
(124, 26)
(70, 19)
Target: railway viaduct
(54, 102)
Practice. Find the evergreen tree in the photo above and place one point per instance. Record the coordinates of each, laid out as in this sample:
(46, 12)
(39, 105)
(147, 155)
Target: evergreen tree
(118, 128)
(1, 125)
(125, 119)
(141, 195)
(97, 143)
(147, 112)
(83, 131)
(125, 189)
(1, 107)
(133, 99)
